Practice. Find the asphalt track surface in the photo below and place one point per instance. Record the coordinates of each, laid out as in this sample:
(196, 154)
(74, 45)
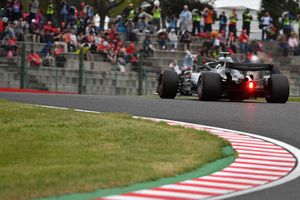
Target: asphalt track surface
(277, 121)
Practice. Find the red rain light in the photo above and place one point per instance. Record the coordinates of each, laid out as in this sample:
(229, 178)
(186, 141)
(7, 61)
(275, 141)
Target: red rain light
(251, 85)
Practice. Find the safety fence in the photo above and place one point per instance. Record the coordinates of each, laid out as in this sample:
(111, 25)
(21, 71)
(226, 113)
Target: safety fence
(71, 72)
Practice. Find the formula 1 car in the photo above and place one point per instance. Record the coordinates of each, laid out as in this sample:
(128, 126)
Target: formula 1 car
(224, 79)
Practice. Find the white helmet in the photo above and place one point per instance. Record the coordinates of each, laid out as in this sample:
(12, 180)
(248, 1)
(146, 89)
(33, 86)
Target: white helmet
(156, 3)
(226, 59)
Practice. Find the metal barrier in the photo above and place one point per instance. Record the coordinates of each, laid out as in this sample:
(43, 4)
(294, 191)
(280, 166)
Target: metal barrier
(70, 72)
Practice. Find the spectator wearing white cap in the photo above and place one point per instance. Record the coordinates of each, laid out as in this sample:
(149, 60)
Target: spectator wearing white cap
(173, 38)
(35, 31)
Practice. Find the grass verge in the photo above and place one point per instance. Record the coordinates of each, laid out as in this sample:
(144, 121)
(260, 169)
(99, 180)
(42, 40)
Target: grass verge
(45, 152)
(294, 99)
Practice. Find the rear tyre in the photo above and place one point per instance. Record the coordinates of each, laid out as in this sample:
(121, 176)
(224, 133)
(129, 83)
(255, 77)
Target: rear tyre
(279, 89)
(168, 84)
(209, 86)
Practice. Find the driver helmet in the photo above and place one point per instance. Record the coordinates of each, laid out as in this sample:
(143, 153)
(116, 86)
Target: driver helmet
(225, 59)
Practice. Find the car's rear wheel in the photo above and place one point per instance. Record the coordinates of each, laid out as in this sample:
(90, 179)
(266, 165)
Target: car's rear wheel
(279, 89)
(209, 86)
(168, 84)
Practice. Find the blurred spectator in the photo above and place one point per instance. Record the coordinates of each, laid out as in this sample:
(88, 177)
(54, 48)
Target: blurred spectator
(172, 23)
(186, 40)
(162, 39)
(74, 42)
(34, 59)
(130, 50)
(150, 28)
(243, 39)
(266, 21)
(64, 11)
(175, 67)
(283, 45)
(196, 21)
(298, 21)
(217, 43)
(156, 16)
(143, 14)
(9, 9)
(271, 32)
(173, 38)
(208, 19)
(21, 28)
(50, 11)
(72, 16)
(147, 46)
(287, 23)
(17, 10)
(11, 44)
(96, 21)
(231, 43)
(188, 60)
(104, 46)
(120, 25)
(35, 31)
(56, 34)
(186, 19)
(98, 39)
(293, 42)
(223, 41)
(9, 30)
(34, 9)
(253, 47)
(129, 12)
(223, 22)
(233, 21)
(247, 18)
(207, 46)
(141, 25)
(112, 56)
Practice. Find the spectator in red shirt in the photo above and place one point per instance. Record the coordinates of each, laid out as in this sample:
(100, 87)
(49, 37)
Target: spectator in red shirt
(34, 59)
(243, 39)
(48, 32)
(11, 43)
(130, 50)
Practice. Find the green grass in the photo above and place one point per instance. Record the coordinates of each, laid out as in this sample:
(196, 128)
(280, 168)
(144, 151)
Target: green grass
(45, 152)
(294, 99)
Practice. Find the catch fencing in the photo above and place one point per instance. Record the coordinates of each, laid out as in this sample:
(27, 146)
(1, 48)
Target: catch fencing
(72, 73)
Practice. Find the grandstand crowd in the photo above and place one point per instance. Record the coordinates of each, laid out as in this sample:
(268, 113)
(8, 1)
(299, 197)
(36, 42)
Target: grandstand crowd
(71, 28)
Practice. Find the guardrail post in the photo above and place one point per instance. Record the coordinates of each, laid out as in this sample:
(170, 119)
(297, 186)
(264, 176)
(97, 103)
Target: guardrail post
(56, 79)
(80, 78)
(23, 68)
(141, 74)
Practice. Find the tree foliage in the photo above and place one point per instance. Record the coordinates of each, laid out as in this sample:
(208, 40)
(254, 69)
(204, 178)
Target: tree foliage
(276, 8)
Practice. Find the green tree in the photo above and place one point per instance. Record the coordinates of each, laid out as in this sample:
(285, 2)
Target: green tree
(276, 8)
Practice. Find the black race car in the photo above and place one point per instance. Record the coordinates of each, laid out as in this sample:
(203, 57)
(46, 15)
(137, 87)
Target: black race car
(224, 79)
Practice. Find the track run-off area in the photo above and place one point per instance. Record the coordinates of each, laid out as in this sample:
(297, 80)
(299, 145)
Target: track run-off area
(264, 161)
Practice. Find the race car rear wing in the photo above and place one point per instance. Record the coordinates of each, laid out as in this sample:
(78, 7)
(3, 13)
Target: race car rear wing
(250, 67)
